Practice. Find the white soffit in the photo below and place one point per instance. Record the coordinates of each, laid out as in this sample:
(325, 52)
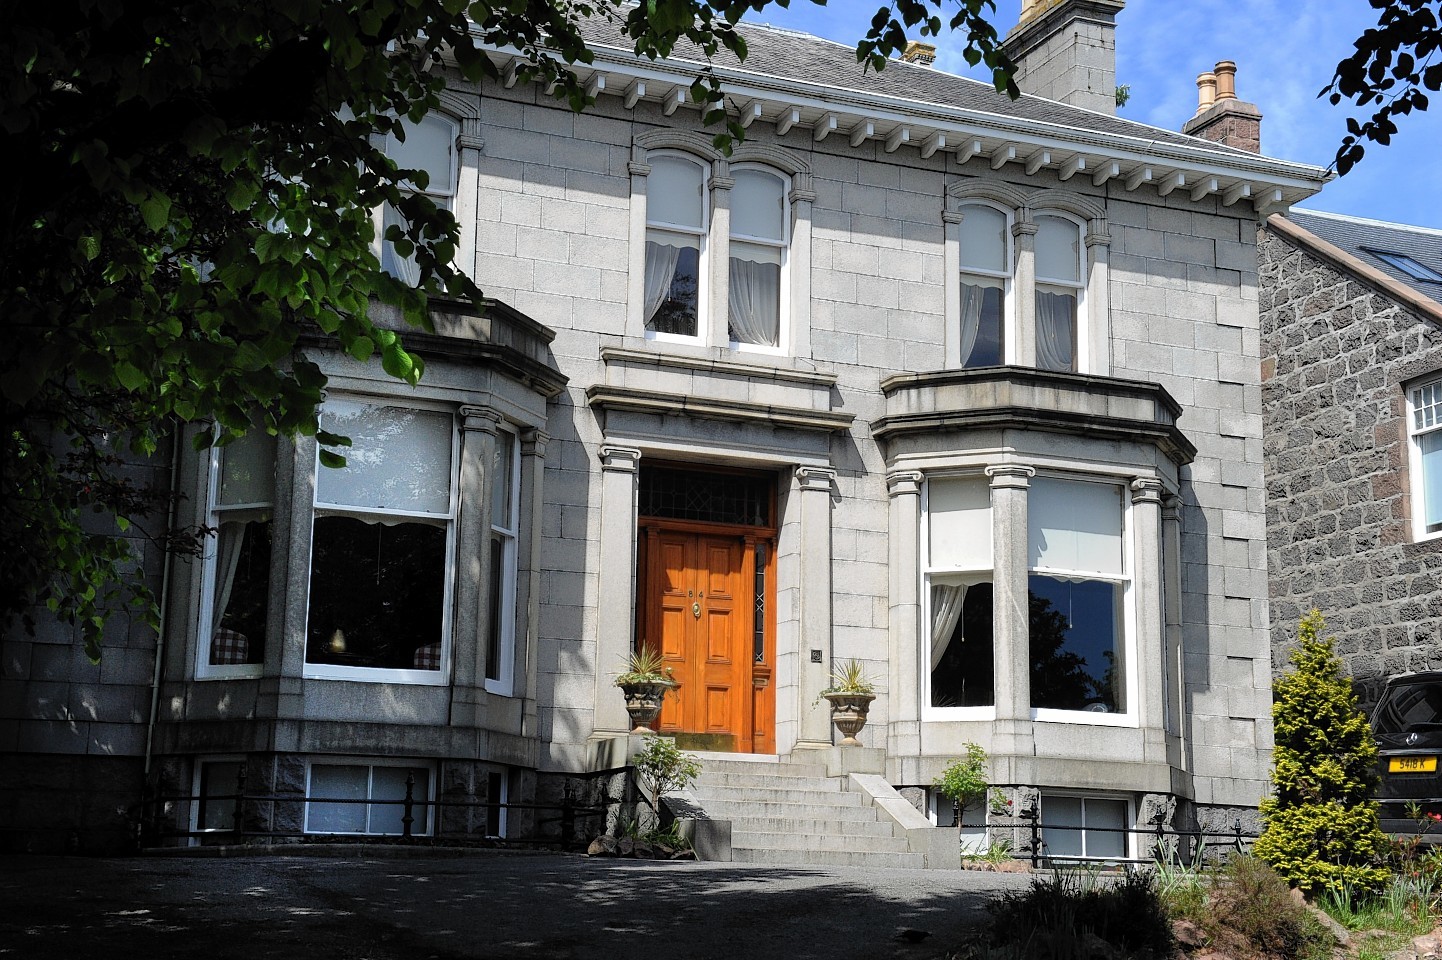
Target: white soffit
(968, 136)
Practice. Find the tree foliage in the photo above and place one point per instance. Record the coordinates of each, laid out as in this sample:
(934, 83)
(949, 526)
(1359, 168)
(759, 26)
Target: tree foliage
(1393, 66)
(1322, 831)
(191, 193)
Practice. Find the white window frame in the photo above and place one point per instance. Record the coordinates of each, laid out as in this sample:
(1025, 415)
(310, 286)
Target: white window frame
(973, 836)
(204, 669)
(504, 684)
(371, 763)
(1007, 277)
(1127, 580)
(441, 677)
(1429, 413)
(1129, 839)
(445, 199)
(783, 248)
(703, 260)
(195, 785)
(1082, 355)
(502, 820)
(969, 576)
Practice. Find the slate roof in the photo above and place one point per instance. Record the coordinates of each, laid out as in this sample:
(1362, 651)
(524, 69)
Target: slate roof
(789, 55)
(1361, 238)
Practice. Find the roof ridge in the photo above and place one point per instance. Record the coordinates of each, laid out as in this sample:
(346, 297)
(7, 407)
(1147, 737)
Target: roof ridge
(1417, 228)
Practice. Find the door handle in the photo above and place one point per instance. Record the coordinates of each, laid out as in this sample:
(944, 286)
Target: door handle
(696, 610)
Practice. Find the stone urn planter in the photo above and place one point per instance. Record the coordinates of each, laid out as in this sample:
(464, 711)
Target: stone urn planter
(850, 696)
(848, 714)
(644, 699)
(644, 685)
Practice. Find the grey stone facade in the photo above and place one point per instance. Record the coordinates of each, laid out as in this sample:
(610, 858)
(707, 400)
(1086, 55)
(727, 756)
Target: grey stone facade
(1337, 354)
(848, 422)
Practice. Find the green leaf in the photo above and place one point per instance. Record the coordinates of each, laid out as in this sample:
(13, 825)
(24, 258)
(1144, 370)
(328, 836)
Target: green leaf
(155, 211)
(331, 459)
(361, 348)
(130, 376)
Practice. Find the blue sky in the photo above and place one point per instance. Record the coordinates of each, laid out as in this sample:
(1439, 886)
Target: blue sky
(1286, 50)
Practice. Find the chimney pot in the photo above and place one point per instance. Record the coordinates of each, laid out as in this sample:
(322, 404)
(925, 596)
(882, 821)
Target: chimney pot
(1206, 90)
(920, 53)
(1226, 72)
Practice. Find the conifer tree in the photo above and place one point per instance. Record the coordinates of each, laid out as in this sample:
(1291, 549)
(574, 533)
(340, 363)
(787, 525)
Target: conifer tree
(1321, 829)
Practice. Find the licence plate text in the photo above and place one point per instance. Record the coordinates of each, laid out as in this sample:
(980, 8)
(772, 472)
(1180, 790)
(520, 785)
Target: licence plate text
(1412, 765)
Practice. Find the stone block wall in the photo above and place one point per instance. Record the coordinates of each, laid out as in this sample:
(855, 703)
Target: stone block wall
(1337, 355)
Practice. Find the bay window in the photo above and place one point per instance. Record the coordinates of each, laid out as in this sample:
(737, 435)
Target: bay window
(958, 579)
(382, 540)
(1059, 287)
(237, 571)
(757, 259)
(676, 221)
(985, 285)
(504, 523)
(1424, 425)
(1076, 585)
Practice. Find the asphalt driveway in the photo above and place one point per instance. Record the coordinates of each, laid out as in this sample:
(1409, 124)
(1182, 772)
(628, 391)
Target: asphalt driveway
(378, 906)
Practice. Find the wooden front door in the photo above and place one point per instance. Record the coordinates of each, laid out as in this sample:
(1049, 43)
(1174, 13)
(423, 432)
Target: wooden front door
(697, 606)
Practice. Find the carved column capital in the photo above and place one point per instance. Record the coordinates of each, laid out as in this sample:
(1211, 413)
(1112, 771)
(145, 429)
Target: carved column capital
(620, 459)
(480, 420)
(1147, 490)
(1013, 475)
(904, 483)
(815, 478)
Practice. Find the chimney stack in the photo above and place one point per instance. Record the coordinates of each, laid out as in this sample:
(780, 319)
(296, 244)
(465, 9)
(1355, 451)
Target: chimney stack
(921, 54)
(1065, 50)
(1220, 116)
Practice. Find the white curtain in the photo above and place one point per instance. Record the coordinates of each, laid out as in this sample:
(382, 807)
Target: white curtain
(227, 558)
(404, 269)
(660, 272)
(972, 299)
(1055, 330)
(755, 302)
(946, 604)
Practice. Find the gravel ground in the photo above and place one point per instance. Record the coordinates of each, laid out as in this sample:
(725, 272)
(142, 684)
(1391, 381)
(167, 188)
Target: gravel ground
(377, 905)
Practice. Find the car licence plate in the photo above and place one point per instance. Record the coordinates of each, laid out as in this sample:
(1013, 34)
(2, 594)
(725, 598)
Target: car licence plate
(1412, 765)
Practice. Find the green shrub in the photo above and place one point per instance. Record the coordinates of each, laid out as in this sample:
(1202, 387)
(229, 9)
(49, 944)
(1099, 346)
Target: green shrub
(965, 779)
(663, 768)
(1251, 912)
(1321, 819)
(1061, 916)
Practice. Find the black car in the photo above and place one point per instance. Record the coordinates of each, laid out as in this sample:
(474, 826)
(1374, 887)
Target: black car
(1408, 725)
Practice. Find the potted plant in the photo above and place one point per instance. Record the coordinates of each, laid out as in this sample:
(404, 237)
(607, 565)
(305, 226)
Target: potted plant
(644, 684)
(850, 696)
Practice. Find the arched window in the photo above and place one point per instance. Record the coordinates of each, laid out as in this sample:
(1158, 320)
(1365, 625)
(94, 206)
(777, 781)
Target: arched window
(1059, 285)
(758, 245)
(429, 146)
(986, 269)
(676, 221)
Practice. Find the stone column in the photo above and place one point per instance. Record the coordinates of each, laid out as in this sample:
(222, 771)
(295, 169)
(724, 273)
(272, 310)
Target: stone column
(1150, 692)
(479, 426)
(616, 593)
(639, 170)
(904, 734)
(1098, 356)
(815, 485)
(1172, 625)
(1024, 291)
(718, 306)
(528, 553)
(799, 264)
(1011, 619)
(951, 271)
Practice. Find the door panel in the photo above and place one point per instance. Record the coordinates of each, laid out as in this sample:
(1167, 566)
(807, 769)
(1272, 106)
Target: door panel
(694, 612)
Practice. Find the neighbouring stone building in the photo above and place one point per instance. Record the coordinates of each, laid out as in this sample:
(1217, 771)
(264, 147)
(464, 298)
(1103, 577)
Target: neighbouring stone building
(1352, 400)
(962, 388)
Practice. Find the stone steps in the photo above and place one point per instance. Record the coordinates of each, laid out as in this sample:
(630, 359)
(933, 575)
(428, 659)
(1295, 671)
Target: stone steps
(793, 814)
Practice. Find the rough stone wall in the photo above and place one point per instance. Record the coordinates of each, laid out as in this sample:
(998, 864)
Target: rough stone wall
(1336, 356)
